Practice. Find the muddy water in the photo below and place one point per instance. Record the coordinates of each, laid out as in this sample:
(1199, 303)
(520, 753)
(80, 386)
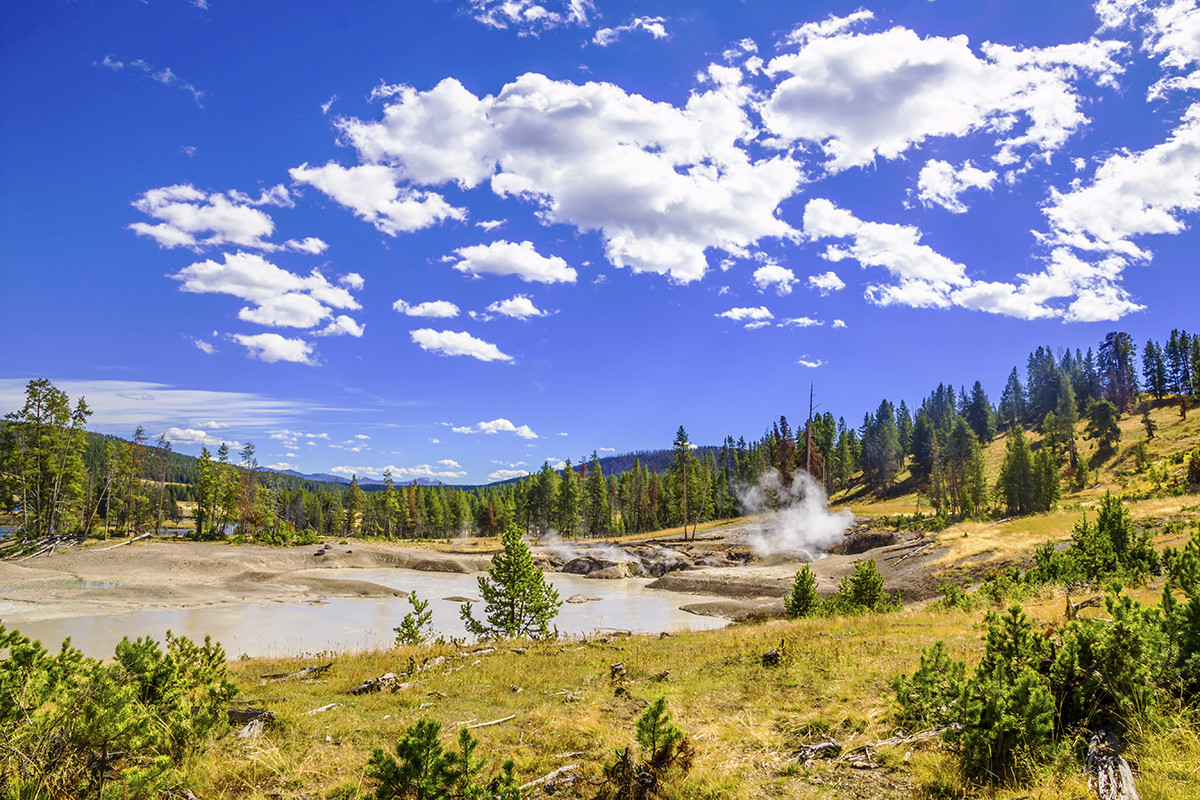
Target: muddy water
(366, 623)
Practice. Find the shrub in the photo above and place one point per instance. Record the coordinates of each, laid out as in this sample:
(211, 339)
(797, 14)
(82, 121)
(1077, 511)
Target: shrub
(423, 769)
(804, 600)
(861, 590)
(664, 748)
(955, 596)
(73, 725)
(417, 625)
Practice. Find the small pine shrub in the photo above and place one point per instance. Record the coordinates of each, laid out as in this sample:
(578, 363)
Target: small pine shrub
(804, 600)
(664, 749)
(423, 769)
(861, 591)
(75, 727)
(417, 625)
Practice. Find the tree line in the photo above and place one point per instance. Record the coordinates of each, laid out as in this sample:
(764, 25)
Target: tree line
(57, 478)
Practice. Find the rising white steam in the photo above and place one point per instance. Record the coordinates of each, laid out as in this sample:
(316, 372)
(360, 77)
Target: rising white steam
(797, 519)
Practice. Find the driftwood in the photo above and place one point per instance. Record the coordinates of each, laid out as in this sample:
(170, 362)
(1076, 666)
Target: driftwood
(551, 777)
(390, 681)
(862, 755)
(1073, 609)
(493, 722)
(253, 729)
(241, 716)
(322, 709)
(307, 672)
(127, 541)
(1108, 773)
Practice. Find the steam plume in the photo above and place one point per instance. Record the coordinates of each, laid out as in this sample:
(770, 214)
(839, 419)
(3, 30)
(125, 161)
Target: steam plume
(798, 522)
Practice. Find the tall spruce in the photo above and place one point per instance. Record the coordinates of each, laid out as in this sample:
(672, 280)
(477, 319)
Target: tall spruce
(1012, 401)
(1154, 369)
(1118, 376)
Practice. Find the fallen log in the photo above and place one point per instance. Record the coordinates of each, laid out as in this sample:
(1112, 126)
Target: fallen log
(241, 716)
(307, 672)
(389, 680)
(1108, 772)
(493, 722)
(127, 541)
(1073, 609)
(550, 777)
(322, 709)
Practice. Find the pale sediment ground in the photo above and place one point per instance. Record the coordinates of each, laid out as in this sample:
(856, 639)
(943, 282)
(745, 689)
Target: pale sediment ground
(177, 575)
(169, 575)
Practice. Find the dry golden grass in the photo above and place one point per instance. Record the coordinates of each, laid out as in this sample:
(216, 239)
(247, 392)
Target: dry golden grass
(745, 720)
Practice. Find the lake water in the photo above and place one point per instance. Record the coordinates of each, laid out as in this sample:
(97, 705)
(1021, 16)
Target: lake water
(359, 624)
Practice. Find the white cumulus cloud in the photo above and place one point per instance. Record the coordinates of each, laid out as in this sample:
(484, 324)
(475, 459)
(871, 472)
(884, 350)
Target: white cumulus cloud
(509, 258)
(271, 347)
(772, 275)
(495, 426)
(281, 298)
(826, 282)
(189, 217)
(866, 95)
(433, 309)
(457, 343)
(655, 26)
(660, 183)
(940, 183)
(372, 193)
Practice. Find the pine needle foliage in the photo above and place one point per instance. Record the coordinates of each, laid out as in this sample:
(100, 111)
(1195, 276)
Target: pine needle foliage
(518, 602)
(76, 727)
(804, 600)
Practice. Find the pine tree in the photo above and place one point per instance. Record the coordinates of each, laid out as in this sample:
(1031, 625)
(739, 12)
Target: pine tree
(518, 602)
(566, 518)
(1012, 401)
(1118, 377)
(1016, 485)
(979, 414)
(1154, 369)
(1102, 425)
(41, 459)
(599, 512)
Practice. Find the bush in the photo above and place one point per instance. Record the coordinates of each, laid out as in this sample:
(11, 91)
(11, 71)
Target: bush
(417, 625)
(424, 770)
(861, 590)
(73, 726)
(804, 600)
(664, 749)
(1033, 690)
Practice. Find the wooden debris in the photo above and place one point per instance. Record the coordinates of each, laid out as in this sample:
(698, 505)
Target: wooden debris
(616, 671)
(241, 716)
(127, 541)
(307, 672)
(253, 729)
(862, 757)
(493, 722)
(808, 752)
(772, 658)
(662, 677)
(390, 681)
(1073, 609)
(552, 778)
(1108, 773)
(322, 709)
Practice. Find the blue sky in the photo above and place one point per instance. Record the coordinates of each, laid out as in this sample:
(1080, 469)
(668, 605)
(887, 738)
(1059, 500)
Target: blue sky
(460, 238)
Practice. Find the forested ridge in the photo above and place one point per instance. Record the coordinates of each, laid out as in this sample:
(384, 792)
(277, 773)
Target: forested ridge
(58, 477)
